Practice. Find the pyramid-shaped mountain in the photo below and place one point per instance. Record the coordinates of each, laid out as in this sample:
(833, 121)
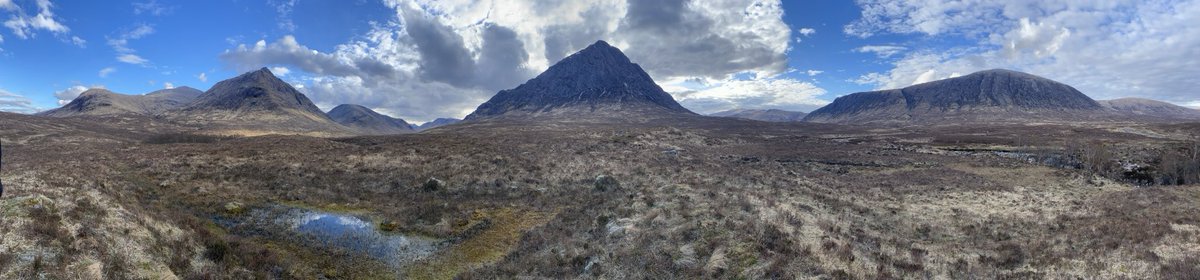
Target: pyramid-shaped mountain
(102, 102)
(992, 95)
(598, 81)
(368, 121)
(258, 103)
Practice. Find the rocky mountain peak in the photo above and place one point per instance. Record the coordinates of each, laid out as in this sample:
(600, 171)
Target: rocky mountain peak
(598, 80)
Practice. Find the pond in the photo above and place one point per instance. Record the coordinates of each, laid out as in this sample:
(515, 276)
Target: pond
(332, 231)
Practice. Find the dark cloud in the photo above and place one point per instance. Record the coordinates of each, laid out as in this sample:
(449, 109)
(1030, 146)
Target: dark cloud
(562, 40)
(444, 57)
(674, 40)
(501, 59)
(660, 15)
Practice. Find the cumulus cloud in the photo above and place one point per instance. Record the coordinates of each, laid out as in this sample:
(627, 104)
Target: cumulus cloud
(25, 26)
(883, 51)
(168, 85)
(1106, 49)
(65, 96)
(203, 77)
(443, 58)
(770, 93)
(12, 102)
(107, 70)
(280, 71)
(806, 31)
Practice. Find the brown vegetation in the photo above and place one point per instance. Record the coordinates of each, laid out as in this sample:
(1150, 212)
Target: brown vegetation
(681, 199)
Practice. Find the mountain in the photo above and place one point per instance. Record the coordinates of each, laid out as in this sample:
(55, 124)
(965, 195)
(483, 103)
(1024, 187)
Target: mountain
(368, 121)
(258, 103)
(768, 115)
(101, 102)
(1150, 108)
(992, 95)
(438, 122)
(596, 82)
(174, 98)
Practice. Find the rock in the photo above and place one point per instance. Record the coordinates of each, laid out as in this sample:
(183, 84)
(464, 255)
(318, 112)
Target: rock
(717, 263)
(606, 183)
(389, 226)
(433, 185)
(235, 208)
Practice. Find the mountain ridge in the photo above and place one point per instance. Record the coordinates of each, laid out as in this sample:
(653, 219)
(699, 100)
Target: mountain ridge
(990, 95)
(102, 102)
(368, 121)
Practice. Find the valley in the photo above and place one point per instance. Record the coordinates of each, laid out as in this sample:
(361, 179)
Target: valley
(591, 170)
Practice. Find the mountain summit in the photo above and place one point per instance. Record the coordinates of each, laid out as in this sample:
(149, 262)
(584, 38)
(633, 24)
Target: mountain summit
(368, 121)
(992, 95)
(598, 81)
(257, 102)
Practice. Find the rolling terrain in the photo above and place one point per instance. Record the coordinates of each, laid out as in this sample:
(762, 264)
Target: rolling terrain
(768, 115)
(591, 171)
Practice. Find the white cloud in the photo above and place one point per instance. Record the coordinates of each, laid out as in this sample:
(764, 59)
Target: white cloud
(80, 42)
(12, 102)
(283, 12)
(813, 73)
(8, 5)
(280, 71)
(807, 31)
(65, 96)
(132, 59)
(203, 77)
(152, 7)
(1106, 49)
(107, 70)
(444, 58)
(884, 51)
(25, 26)
(769, 93)
(168, 85)
(120, 43)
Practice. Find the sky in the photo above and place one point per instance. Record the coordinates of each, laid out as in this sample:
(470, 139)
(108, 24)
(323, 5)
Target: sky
(420, 59)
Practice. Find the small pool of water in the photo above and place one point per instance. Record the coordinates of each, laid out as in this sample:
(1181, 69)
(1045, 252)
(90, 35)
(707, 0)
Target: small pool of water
(337, 231)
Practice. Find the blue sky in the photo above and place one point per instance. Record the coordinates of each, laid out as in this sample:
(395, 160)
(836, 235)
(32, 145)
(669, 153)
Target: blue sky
(421, 60)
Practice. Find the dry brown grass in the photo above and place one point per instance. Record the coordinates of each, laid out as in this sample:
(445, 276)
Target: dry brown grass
(693, 200)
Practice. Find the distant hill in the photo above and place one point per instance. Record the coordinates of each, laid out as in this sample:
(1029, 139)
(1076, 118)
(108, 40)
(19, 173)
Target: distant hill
(1150, 108)
(438, 122)
(101, 102)
(596, 82)
(992, 95)
(368, 121)
(768, 115)
(258, 103)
